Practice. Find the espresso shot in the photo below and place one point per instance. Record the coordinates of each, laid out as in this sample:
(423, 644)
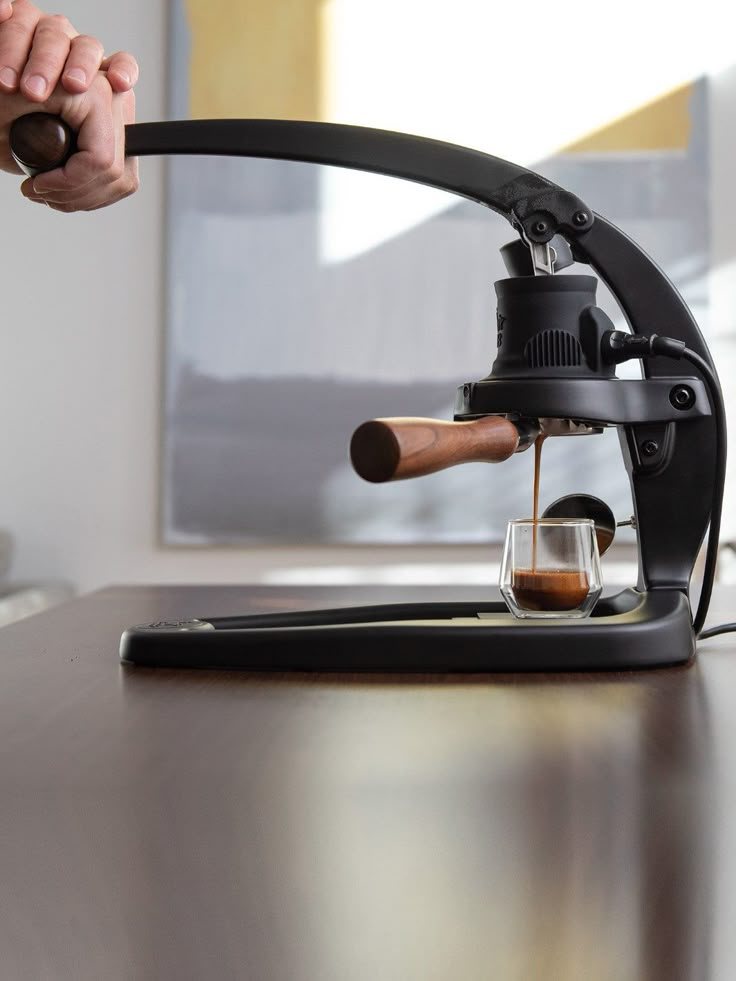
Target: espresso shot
(536, 589)
(551, 568)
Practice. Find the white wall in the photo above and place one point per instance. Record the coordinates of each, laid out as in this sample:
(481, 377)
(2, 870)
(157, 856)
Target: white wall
(81, 333)
(82, 363)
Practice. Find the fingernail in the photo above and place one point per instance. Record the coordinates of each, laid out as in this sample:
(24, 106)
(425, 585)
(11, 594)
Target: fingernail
(36, 85)
(9, 77)
(77, 75)
(124, 75)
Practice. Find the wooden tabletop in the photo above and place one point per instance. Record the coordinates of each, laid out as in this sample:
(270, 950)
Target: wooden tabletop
(211, 825)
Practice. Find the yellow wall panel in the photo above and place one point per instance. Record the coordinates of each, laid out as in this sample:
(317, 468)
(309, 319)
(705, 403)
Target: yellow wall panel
(660, 125)
(255, 58)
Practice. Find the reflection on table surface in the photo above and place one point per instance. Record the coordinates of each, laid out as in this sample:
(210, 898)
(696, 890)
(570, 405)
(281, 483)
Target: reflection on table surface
(175, 824)
(517, 831)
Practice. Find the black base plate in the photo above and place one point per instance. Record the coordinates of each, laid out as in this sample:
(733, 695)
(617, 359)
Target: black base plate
(627, 631)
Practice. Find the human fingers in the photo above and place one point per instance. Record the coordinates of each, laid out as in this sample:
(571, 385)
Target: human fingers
(6, 10)
(16, 38)
(92, 201)
(48, 56)
(44, 49)
(122, 71)
(107, 189)
(98, 174)
(85, 58)
(90, 116)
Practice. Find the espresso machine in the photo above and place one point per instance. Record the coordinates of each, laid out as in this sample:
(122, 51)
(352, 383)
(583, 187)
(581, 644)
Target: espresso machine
(554, 374)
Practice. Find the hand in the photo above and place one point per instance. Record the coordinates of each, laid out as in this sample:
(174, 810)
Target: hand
(97, 104)
(39, 51)
(99, 173)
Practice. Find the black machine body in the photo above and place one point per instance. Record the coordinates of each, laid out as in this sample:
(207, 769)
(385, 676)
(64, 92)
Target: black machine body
(629, 630)
(556, 358)
(551, 362)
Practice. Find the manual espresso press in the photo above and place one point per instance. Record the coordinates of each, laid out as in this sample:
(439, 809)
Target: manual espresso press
(554, 374)
(550, 335)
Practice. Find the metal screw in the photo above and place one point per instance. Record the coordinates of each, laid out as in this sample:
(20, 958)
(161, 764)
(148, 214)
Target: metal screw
(682, 397)
(649, 447)
(539, 227)
(580, 218)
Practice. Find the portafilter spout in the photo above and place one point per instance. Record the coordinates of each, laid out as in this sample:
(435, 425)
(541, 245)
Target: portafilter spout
(567, 427)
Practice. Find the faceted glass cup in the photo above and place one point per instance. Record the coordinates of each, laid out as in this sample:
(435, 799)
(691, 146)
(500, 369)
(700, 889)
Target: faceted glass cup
(551, 567)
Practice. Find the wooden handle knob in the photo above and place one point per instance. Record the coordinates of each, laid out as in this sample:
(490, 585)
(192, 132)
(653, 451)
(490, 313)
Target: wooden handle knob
(394, 449)
(41, 142)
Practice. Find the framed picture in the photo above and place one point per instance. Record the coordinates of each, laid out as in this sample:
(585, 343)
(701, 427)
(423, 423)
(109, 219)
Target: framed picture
(303, 300)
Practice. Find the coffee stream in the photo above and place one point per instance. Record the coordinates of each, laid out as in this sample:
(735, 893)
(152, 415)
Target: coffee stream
(554, 590)
(538, 444)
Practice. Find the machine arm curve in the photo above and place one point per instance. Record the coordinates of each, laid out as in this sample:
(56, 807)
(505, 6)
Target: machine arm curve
(537, 208)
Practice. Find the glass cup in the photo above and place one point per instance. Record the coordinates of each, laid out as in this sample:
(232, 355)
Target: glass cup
(551, 567)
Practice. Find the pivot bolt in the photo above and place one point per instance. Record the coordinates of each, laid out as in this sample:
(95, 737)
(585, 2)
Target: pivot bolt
(539, 227)
(580, 218)
(649, 447)
(682, 397)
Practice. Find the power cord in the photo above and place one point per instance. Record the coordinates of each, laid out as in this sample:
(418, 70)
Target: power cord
(722, 628)
(618, 346)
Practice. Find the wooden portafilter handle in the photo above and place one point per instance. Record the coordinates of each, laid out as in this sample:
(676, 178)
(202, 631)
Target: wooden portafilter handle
(394, 449)
(40, 142)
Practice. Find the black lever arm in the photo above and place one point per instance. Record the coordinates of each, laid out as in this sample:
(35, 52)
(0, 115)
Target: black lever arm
(531, 203)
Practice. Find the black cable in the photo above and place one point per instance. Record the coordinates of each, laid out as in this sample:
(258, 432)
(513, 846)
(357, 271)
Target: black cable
(722, 628)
